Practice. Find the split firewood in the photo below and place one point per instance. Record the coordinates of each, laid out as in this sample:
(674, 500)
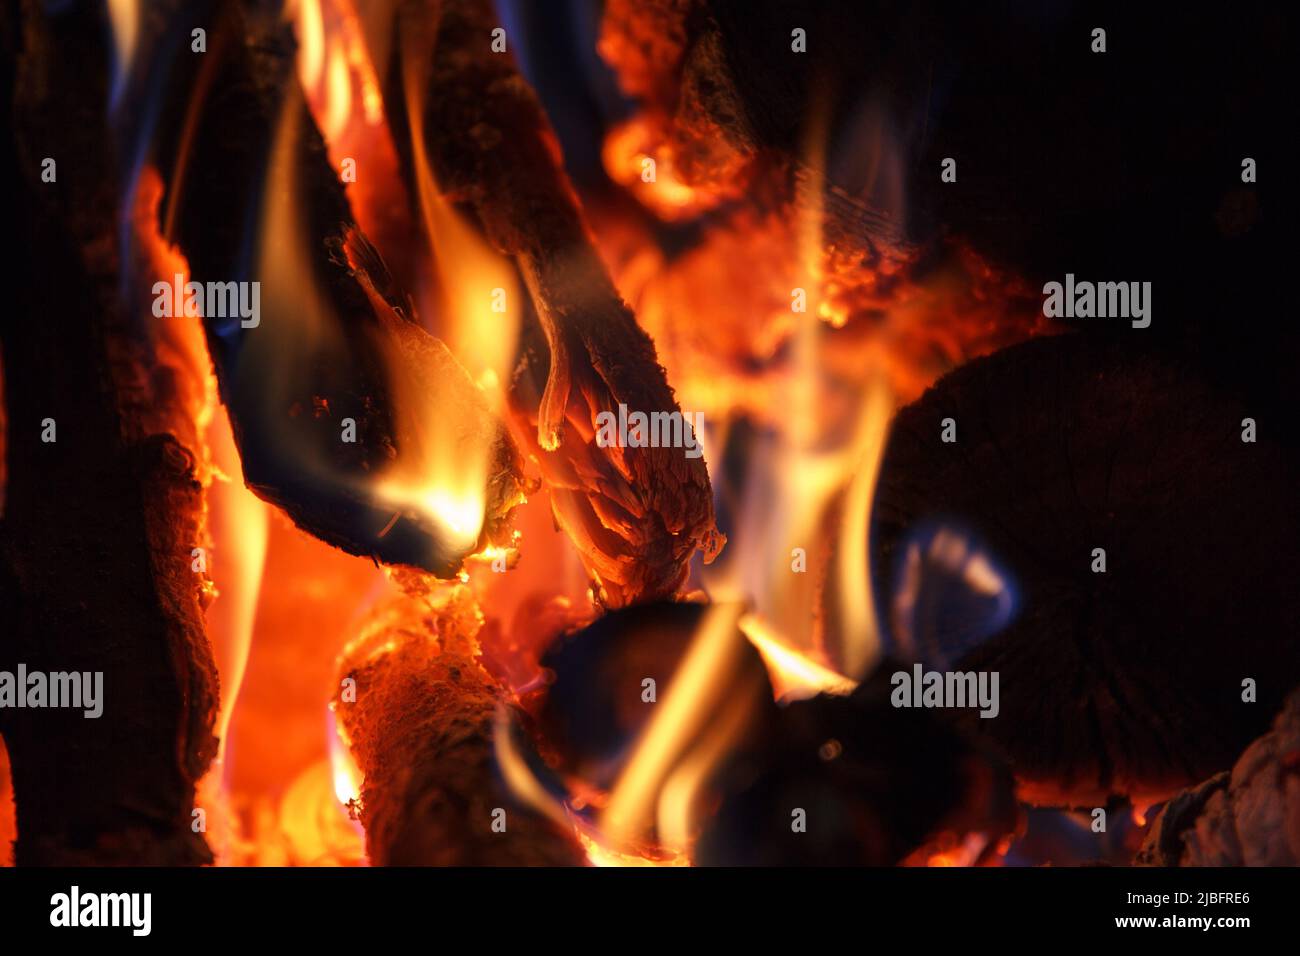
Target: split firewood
(346, 412)
(1150, 548)
(418, 711)
(1247, 817)
(104, 497)
(637, 515)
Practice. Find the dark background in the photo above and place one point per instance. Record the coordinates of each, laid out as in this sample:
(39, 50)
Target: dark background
(1119, 166)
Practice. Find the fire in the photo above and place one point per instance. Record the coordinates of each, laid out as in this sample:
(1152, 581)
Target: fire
(476, 295)
(316, 827)
(634, 163)
(8, 816)
(240, 827)
(239, 522)
(463, 291)
(816, 350)
(335, 68)
(669, 749)
(230, 562)
(124, 19)
(951, 852)
(441, 465)
(769, 321)
(347, 776)
(794, 676)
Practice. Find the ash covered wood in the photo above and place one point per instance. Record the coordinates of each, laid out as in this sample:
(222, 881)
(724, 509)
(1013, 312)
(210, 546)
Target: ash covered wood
(1128, 681)
(1249, 816)
(335, 335)
(420, 728)
(95, 546)
(637, 515)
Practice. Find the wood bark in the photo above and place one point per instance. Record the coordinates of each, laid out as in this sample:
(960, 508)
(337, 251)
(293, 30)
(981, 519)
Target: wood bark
(420, 726)
(95, 545)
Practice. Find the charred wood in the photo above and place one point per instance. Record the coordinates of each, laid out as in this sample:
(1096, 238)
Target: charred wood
(851, 781)
(101, 513)
(637, 515)
(1127, 680)
(335, 332)
(420, 726)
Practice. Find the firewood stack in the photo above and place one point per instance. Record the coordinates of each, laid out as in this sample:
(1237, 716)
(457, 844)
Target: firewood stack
(1119, 684)
(128, 467)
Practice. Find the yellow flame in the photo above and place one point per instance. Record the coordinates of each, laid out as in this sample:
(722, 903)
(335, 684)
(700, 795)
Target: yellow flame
(124, 17)
(343, 768)
(316, 831)
(447, 464)
(651, 817)
(679, 796)
(479, 310)
(858, 623)
(794, 676)
(446, 437)
(703, 684)
(817, 489)
(240, 525)
(598, 854)
(311, 43)
(338, 96)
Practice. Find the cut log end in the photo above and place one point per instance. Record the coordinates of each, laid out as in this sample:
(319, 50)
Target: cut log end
(1127, 680)
(421, 728)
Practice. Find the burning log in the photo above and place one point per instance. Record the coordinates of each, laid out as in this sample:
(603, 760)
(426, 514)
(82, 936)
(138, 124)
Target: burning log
(1247, 817)
(597, 701)
(854, 781)
(629, 712)
(104, 496)
(1124, 671)
(418, 711)
(638, 515)
(348, 415)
